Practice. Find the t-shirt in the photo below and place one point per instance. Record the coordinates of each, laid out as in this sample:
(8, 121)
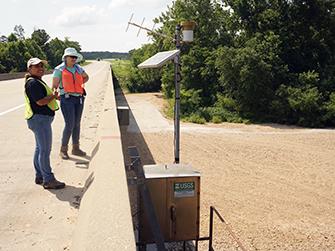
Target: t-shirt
(36, 91)
(58, 74)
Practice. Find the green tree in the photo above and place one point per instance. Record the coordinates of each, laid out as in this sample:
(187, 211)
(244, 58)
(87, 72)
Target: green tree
(40, 36)
(15, 50)
(264, 60)
(54, 49)
(73, 44)
(19, 32)
(198, 58)
(143, 80)
(12, 38)
(300, 76)
(34, 49)
(17, 55)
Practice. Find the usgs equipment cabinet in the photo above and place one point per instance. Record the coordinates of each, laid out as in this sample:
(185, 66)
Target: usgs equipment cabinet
(175, 193)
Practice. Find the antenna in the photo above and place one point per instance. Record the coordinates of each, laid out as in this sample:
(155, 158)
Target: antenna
(131, 18)
(153, 28)
(141, 27)
(138, 33)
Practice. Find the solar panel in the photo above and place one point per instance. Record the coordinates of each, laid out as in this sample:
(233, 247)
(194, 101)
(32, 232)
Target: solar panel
(159, 59)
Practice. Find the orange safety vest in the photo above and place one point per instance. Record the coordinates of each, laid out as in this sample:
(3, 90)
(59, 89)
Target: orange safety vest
(72, 83)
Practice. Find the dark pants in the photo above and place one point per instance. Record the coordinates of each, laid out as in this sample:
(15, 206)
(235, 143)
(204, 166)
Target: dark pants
(41, 126)
(72, 109)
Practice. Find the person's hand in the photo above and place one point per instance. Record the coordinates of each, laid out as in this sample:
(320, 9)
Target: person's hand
(56, 95)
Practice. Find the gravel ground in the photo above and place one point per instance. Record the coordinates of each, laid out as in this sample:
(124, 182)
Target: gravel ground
(273, 184)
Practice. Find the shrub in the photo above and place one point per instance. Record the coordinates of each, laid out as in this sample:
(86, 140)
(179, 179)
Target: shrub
(216, 119)
(305, 104)
(196, 118)
(329, 117)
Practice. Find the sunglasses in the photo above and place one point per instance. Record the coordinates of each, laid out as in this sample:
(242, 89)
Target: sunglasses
(73, 57)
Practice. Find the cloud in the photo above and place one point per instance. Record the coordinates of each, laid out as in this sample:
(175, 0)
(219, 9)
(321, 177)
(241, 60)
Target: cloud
(135, 3)
(118, 3)
(78, 16)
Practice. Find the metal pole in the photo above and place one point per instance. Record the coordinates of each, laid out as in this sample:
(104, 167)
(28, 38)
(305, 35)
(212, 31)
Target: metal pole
(210, 244)
(177, 98)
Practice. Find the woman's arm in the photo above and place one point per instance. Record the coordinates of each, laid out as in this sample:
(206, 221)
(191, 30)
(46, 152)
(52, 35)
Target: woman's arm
(38, 94)
(55, 83)
(46, 100)
(85, 77)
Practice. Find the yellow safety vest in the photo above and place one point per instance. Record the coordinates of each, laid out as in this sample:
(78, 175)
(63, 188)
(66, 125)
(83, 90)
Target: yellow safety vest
(52, 104)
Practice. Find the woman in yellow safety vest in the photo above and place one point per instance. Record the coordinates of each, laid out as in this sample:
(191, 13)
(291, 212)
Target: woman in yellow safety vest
(40, 107)
(70, 78)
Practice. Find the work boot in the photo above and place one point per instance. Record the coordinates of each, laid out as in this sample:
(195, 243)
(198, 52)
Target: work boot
(63, 152)
(53, 184)
(38, 181)
(77, 151)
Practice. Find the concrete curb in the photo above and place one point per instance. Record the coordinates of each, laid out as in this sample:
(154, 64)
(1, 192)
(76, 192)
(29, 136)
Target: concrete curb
(105, 221)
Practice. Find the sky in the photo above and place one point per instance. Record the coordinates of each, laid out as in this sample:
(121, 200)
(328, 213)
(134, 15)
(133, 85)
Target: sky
(98, 25)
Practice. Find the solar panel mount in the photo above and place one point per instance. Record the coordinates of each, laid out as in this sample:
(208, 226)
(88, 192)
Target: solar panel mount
(159, 59)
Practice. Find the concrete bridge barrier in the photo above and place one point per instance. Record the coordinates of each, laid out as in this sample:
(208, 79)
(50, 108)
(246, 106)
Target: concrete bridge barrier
(105, 221)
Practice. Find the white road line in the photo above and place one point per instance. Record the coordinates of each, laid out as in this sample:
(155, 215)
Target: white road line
(11, 110)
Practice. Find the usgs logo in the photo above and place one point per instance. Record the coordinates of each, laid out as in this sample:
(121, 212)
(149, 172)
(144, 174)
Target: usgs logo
(184, 186)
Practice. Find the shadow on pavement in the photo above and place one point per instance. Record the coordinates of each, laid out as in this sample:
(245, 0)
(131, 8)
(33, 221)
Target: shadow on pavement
(73, 194)
(84, 162)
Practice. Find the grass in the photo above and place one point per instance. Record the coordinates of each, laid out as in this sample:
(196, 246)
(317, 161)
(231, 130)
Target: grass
(121, 70)
(121, 67)
(111, 60)
(85, 63)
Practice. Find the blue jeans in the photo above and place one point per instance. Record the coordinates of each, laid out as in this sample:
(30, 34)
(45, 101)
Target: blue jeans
(72, 109)
(41, 126)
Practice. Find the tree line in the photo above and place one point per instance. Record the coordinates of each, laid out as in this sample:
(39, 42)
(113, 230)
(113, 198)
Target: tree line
(263, 61)
(93, 55)
(16, 49)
